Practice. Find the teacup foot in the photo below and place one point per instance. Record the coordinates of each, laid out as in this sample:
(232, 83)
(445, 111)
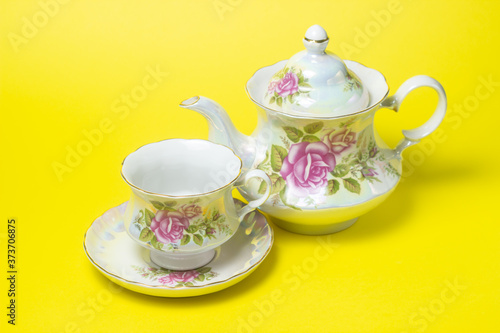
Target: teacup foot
(182, 262)
(311, 229)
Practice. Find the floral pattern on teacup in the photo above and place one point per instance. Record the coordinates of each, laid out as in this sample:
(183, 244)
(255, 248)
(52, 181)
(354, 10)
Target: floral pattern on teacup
(172, 225)
(169, 227)
(172, 278)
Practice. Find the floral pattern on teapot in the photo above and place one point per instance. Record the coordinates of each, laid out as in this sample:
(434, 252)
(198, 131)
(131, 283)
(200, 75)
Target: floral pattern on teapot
(175, 225)
(286, 85)
(289, 83)
(315, 160)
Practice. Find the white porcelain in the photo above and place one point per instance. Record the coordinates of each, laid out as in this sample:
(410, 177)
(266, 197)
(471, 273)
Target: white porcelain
(181, 206)
(315, 82)
(128, 264)
(326, 170)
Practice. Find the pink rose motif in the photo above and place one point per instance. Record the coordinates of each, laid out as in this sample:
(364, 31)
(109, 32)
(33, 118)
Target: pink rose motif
(169, 226)
(288, 85)
(338, 141)
(179, 276)
(306, 168)
(190, 211)
(272, 87)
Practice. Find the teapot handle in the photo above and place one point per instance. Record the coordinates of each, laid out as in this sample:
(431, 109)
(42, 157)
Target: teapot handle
(415, 135)
(254, 204)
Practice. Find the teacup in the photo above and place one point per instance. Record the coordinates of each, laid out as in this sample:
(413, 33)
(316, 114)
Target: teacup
(181, 207)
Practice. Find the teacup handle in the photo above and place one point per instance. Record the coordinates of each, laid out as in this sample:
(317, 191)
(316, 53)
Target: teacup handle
(252, 205)
(415, 135)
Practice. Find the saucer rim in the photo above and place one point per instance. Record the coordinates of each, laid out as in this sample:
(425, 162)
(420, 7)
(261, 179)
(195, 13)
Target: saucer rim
(179, 288)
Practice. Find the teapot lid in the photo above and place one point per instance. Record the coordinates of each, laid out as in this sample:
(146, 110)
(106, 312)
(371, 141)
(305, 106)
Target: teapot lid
(316, 82)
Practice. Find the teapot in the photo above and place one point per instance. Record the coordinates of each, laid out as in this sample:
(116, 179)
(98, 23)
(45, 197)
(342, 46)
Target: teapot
(315, 137)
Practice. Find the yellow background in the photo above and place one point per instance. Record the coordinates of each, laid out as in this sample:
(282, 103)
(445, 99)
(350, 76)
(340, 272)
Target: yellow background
(440, 226)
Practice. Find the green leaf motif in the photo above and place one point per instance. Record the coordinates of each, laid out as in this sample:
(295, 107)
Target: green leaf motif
(148, 216)
(198, 239)
(290, 98)
(332, 187)
(200, 278)
(352, 185)
(192, 229)
(313, 127)
(310, 138)
(164, 206)
(293, 133)
(279, 101)
(146, 235)
(262, 188)
(360, 155)
(141, 220)
(340, 170)
(278, 155)
(274, 177)
(278, 185)
(156, 244)
(362, 139)
(158, 205)
(305, 85)
(272, 100)
(185, 240)
(203, 270)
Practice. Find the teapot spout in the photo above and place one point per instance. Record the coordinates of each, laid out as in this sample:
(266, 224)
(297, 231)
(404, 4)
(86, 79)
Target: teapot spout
(221, 129)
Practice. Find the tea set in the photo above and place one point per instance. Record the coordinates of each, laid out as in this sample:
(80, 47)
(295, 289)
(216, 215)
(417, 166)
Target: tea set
(314, 164)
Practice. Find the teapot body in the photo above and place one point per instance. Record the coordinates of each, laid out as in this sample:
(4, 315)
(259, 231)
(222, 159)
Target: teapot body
(325, 172)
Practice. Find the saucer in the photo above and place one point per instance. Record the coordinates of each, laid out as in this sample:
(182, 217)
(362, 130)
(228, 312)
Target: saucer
(123, 261)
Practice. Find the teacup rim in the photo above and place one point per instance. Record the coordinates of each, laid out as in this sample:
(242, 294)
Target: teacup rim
(184, 195)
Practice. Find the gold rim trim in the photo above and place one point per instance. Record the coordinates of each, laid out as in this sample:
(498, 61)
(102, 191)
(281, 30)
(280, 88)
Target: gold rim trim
(315, 116)
(248, 270)
(197, 99)
(187, 195)
(317, 41)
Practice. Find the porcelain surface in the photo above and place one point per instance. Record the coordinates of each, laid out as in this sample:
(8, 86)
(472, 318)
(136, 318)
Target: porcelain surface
(316, 82)
(128, 264)
(326, 170)
(181, 206)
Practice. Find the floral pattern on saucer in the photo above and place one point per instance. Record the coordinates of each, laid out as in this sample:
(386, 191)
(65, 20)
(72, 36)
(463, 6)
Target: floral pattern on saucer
(176, 278)
(115, 254)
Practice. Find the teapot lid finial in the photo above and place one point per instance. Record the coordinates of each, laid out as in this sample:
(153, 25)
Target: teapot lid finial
(316, 82)
(316, 33)
(316, 39)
